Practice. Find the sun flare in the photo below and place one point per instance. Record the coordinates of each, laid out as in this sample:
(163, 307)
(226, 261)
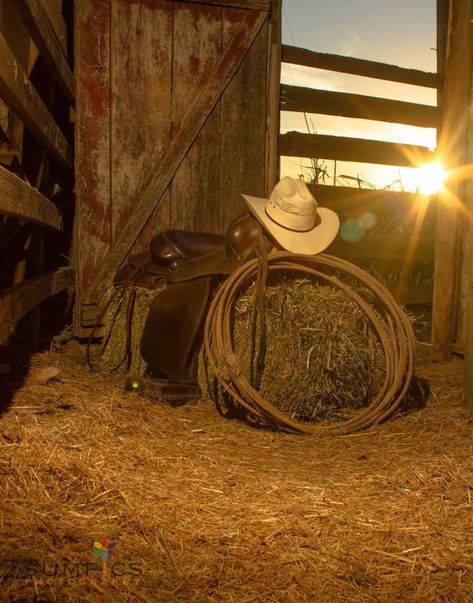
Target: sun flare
(429, 178)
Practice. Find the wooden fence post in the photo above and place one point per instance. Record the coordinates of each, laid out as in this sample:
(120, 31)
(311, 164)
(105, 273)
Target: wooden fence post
(451, 151)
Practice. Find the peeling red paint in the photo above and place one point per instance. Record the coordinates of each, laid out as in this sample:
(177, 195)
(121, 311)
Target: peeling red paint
(128, 109)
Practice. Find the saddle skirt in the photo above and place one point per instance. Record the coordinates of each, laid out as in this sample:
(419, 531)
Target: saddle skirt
(193, 264)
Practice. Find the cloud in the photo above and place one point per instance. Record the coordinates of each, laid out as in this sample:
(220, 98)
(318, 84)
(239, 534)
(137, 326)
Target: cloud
(351, 46)
(297, 75)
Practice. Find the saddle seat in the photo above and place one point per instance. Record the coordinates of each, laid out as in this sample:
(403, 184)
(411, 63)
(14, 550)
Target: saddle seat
(179, 255)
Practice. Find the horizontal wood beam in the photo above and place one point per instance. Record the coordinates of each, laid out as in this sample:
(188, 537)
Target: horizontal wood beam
(19, 299)
(412, 293)
(22, 98)
(385, 247)
(307, 100)
(20, 200)
(297, 144)
(246, 4)
(43, 35)
(352, 199)
(382, 71)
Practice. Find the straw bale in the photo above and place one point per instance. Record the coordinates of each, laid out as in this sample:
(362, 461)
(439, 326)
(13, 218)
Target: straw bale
(113, 356)
(206, 509)
(323, 359)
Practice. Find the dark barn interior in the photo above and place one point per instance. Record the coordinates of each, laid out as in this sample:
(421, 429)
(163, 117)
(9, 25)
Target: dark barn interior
(190, 408)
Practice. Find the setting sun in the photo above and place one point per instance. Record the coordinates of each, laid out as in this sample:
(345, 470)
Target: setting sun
(429, 178)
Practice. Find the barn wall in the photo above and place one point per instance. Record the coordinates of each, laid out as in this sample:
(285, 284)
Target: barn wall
(36, 169)
(148, 72)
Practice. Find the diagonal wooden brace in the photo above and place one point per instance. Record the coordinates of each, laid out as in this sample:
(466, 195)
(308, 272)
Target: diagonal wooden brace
(192, 124)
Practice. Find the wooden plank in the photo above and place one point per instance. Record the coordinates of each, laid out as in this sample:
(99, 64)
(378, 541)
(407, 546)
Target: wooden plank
(468, 338)
(297, 144)
(385, 247)
(308, 100)
(243, 149)
(272, 96)
(245, 4)
(159, 180)
(19, 299)
(93, 169)
(442, 40)
(453, 149)
(20, 200)
(140, 81)
(350, 198)
(412, 293)
(53, 9)
(399, 206)
(46, 41)
(382, 71)
(464, 328)
(198, 32)
(18, 92)
(18, 39)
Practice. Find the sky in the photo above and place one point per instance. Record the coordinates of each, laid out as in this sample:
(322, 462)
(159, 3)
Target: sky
(398, 32)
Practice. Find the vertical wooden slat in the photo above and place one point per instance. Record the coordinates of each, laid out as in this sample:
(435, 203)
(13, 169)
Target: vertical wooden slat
(243, 154)
(467, 272)
(442, 42)
(197, 45)
(93, 222)
(141, 37)
(466, 324)
(451, 150)
(273, 89)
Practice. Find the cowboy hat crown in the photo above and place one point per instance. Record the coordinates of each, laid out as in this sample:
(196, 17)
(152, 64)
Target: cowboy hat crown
(291, 215)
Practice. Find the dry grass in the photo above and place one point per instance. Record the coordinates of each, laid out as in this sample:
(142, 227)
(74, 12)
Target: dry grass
(323, 358)
(114, 356)
(206, 509)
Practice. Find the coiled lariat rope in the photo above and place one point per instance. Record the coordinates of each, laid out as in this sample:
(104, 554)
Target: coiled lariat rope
(389, 321)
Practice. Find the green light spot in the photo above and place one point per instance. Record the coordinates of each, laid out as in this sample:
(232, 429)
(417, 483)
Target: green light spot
(135, 385)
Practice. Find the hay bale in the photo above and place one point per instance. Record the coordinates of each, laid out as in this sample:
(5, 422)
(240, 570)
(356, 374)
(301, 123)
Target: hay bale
(323, 359)
(115, 321)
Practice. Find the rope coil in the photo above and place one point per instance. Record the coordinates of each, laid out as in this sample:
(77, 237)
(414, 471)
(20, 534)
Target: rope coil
(389, 321)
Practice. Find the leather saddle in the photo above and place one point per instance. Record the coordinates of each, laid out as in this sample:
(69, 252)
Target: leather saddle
(192, 264)
(180, 255)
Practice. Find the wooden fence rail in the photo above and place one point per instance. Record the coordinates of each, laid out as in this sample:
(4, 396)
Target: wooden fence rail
(45, 38)
(296, 98)
(341, 148)
(380, 71)
(21, 96)
(409, 245)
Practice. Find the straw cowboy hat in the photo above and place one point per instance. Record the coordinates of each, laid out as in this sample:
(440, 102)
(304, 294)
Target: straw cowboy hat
(292, 217)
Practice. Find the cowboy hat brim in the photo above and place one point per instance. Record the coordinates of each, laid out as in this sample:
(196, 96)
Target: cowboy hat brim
(308, 242)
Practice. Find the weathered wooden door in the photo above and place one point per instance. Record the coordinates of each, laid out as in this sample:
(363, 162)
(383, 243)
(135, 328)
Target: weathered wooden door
(176, 117)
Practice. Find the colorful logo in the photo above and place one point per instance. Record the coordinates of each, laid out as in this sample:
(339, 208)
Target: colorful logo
(104, 549)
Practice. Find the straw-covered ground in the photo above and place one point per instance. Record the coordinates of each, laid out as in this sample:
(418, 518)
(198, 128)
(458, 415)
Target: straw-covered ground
(200, 508)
